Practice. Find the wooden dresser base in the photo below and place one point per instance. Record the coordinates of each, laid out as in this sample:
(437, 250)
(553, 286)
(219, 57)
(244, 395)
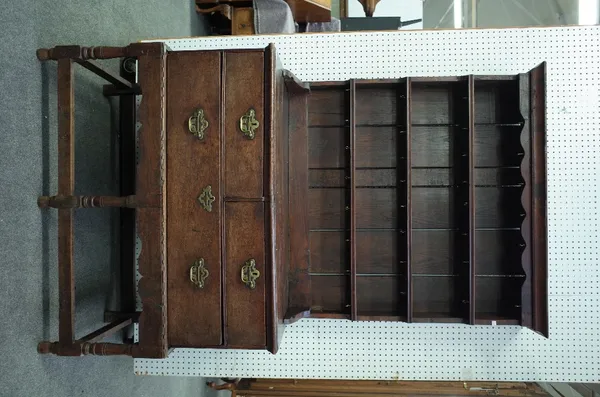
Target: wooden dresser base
(147, 200)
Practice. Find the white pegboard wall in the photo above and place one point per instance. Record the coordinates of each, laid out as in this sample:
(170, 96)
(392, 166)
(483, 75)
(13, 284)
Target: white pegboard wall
(377, 350)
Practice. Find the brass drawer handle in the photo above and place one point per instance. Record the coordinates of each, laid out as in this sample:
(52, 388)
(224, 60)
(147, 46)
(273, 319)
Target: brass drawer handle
(198, 273)
(197, 124)
(249, 124)
(206, 198)
(250, 273)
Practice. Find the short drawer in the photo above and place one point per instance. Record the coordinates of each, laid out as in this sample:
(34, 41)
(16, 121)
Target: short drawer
(245, 274)
(244, 124)
(194, 200)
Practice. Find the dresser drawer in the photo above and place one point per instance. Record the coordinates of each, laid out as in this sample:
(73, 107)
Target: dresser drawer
(194, 200)
(245, 274)
(244, 124)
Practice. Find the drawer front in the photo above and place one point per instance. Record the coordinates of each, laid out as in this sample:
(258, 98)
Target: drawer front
(244, 108)
(194, 200)
(245, 306)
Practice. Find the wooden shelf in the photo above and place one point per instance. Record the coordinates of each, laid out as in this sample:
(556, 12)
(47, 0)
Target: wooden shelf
(424, 198)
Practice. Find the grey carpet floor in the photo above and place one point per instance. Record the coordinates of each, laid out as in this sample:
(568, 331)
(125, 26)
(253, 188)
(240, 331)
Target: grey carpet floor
(28, 252)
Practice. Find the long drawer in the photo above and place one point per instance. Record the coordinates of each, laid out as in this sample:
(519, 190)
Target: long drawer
(194, 200)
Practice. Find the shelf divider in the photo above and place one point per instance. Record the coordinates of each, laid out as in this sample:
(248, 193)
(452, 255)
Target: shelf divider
(471, 198)
(464, 185)
(352, 207)
(405, 240)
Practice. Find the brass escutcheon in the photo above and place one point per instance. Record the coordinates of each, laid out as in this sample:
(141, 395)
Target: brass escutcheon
(250, 273)
(249, 124)
(198, 273)
(206, 198)
(197, 124)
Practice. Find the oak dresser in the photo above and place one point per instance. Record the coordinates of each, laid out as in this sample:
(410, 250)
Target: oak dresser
(260, 200)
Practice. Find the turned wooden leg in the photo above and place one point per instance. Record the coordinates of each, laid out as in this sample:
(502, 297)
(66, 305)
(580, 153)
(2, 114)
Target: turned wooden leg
(81, 349)
(86, 201)
(82, 53)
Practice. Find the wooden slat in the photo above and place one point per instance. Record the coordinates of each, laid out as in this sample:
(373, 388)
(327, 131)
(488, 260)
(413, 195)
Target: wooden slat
(407, 241)
(66, 181)
(378, 208)
(105, 331)
(471, 197)
(365, 178)
(431, 146)
(118, 81)
(353, 205)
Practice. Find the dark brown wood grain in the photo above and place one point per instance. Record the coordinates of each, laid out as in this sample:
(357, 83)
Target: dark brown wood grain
(498, 296)
(498, 207)
(433, 252)
(495, 102)
(244, 240)
(376, 208)
(405, 183)
(377, 106)
(431, 146)
(151, 222)
(194, 314)
(497, 252)
(539, 198)
(376, 252)
(365, 178)
(244, 157)
(66, 184)
(431, 103)
(353, 205)
(472, 153)
(525, 260)
(300, 253)
(326, 107)
(375, 144)
(300, 260)
(434, 297)
(330, 294)
(277, 257)
(432, 207)
(380, 295)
